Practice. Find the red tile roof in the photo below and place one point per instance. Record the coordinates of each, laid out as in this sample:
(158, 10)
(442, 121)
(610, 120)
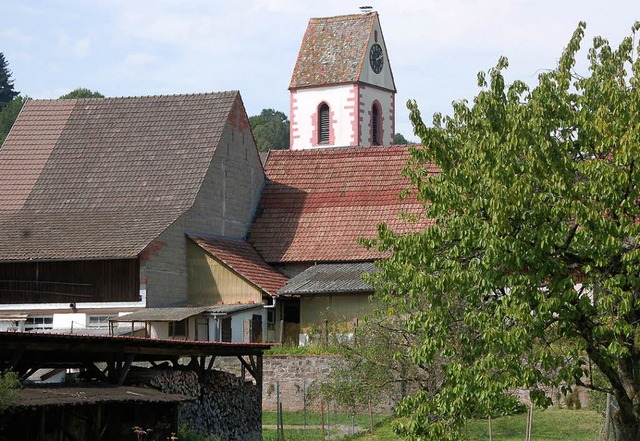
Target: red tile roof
(333, 50)
(317, 203)
(102, 178)
(244, 260)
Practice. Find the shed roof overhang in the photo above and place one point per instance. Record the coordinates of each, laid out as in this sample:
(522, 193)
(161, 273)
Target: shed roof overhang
(26, 352)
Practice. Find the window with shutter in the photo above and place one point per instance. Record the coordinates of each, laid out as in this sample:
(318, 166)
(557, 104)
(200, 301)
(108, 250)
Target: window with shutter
(323, 124)
(375, 125)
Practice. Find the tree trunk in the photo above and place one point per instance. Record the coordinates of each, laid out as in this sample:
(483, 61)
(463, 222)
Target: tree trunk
(626, 420)
(626, 432)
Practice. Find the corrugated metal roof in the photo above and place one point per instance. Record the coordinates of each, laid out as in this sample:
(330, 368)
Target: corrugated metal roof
(180, 313)
(230, 309)
(330, 279)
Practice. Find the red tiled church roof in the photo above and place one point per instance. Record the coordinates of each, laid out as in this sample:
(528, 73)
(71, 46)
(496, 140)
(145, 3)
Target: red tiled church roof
(317, 203)
(101, 178)
(244, 260)
(333, 50)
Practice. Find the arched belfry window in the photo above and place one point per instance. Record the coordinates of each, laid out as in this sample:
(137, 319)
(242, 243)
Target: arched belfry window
(376, 134)
(323, 124)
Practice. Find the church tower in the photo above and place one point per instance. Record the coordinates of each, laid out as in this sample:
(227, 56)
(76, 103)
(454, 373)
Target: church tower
(342, 88)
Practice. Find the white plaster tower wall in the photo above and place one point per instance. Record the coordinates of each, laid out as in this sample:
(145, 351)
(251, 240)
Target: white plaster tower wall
(385, 99)
(343, 108)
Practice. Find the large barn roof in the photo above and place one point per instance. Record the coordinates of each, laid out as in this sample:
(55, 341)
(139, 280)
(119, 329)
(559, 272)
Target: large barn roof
(103, 177)
(317, 203)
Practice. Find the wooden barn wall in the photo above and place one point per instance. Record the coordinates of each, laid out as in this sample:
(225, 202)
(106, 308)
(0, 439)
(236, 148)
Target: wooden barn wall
(70, 282)
(210, 282)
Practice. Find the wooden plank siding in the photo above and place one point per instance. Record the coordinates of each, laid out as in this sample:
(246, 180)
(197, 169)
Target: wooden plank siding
(70, 282)
(211, 282)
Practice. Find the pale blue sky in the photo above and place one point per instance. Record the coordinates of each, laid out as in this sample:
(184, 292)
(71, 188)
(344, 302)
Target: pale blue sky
(150, 47)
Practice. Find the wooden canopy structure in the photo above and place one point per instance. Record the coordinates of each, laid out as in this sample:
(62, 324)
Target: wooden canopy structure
(109, 358)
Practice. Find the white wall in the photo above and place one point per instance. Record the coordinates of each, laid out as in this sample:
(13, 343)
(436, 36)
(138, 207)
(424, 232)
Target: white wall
(342, 102)
(386, 99)
(350, 109)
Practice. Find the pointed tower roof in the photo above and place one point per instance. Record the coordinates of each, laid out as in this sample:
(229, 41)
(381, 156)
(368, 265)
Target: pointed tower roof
(334, 50)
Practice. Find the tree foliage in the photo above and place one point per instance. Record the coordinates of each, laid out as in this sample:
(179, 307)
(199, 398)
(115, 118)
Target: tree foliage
(81, 92)
(270, 130)
(530, 275)
(7, 93)
(9, 384)
(9, 115)
(399, 139)
(374, 366)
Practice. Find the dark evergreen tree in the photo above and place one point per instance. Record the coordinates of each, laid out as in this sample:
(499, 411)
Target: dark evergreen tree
(8, 116)
(7, 94)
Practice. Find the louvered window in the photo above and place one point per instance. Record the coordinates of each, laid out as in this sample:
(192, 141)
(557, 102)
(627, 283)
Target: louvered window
(375, 125)
(323, 124)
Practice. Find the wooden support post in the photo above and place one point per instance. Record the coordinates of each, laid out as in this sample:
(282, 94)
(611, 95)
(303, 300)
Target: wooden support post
(124, 368)
(211, 361)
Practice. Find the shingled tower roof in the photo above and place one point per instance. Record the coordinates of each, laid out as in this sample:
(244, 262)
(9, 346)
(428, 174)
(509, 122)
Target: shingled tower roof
(101, 178)
(333, 50)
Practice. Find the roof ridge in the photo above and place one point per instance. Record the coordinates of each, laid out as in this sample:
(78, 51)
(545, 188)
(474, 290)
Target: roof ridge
(216, 237)
(346, 16)
(106, 98)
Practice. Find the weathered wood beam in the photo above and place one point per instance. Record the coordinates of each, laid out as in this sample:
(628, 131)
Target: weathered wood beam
(124, 368)
(95, 370)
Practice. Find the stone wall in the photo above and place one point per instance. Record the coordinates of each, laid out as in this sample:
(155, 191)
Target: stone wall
(292, 375)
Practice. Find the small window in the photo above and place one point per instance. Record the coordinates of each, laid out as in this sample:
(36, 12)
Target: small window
(323, 124)
(98, 321)
(178, 328)
(38, 322)
(375, 125)
(225, 325)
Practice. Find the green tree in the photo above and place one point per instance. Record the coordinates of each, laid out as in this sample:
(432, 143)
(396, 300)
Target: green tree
(7, 93)
(399, 139)
(530, 274)
(374, 366)
(9, 384)
(270, 130)
(8, 116)
(81, 92)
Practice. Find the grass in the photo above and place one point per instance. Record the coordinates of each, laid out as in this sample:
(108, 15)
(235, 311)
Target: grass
(302, 350)
(549, 425)
(293, 435)
(315, 419)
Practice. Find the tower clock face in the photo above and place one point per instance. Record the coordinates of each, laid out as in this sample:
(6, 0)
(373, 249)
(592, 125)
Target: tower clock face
(376, 59)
